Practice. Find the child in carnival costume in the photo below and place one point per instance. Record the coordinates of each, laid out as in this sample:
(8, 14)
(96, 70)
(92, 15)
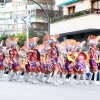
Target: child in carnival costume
(92, 42)
(54, 54)
(80, 65)
(70, 59)
(14, 58)
(47, 59)
(42, 62)
(2, 60)
(33, 57)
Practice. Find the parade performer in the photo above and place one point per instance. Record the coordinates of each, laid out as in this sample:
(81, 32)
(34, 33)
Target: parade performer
(47, 58)
(93, 58)
(14, 58)
(80, 65)
(2, 59)
(48, 64)
(33, 57)
(54, 53)
(41, 49)
(70, 59)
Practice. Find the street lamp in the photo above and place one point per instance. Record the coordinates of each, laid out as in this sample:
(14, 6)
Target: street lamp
(48, 19)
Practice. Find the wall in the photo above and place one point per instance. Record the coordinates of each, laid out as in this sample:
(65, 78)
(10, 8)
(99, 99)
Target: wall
(76, 24)
(79, 6)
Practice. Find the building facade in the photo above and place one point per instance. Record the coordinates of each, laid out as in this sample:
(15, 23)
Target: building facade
(13, 12)
(80, 19)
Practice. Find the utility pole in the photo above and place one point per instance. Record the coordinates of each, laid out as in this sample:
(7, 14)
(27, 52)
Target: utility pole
(16, 19)
(27, 27)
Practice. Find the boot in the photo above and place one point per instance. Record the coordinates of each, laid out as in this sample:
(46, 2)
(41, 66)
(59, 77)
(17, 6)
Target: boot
(58, 79)
(48, 78)
(42, 77)
(55, 79)
(1, 74)
(63, 78)
(95, 79)
(18, 75)
(90, 78)
(28, 75)
(71, 79)
(11, 76)
(78, 79)
(84, 79)
(34, 77)
(39, 75)
(25, 76)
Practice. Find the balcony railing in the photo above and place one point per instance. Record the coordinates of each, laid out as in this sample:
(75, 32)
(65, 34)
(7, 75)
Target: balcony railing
(77, 14)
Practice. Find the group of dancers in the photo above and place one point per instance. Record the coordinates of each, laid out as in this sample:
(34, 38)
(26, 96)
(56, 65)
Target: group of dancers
(51, 61)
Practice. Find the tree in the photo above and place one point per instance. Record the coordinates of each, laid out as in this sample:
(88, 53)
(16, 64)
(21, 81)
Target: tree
(22, 38)
(32, 32)
(3, 37)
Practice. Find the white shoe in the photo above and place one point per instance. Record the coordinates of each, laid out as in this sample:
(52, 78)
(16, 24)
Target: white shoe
(48, 80)
(72, 84)
(96, 83)
(90, 82)
(86, 83)
(34, 82)
(78, 83)
(55, 83)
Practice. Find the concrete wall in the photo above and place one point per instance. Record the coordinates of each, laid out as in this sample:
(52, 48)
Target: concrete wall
(76, 24)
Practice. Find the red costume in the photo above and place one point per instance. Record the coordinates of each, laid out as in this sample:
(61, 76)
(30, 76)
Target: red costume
(34, 60)
(2, 57)
(80, 63)
(93, 53)
(14, 57)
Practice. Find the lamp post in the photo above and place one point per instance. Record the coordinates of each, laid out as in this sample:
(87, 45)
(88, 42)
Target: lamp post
(48, 19)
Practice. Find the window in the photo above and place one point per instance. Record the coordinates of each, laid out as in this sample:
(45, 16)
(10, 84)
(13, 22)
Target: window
(8, 15)
(71, 10)
(5, 27)
(2, 1)
(20, 26)
(1, 16)
(70, 37)
(82, 35)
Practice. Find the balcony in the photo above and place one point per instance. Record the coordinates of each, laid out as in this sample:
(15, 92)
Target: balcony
(75, 23)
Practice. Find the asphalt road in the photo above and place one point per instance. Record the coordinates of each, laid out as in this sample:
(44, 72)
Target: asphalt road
(26, 91)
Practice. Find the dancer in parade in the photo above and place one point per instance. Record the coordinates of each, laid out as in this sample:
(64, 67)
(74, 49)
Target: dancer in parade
(93, 58)
(14, 64)
(51, 61)
(80, 65)
(33, 57)
(2, 59)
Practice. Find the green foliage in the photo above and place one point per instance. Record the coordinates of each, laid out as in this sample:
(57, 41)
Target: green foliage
(33, 33)
(3, 37)
(65, 17)
(22, 38)
(41, 38)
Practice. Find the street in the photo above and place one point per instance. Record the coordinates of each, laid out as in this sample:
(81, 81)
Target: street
(19, 90)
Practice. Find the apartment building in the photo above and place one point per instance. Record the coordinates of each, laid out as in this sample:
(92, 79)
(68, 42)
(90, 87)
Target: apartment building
(12, 12)
(80, 19)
